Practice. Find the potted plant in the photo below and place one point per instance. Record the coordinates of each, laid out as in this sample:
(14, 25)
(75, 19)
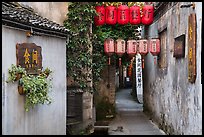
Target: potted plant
(35, 89)
(15, 73)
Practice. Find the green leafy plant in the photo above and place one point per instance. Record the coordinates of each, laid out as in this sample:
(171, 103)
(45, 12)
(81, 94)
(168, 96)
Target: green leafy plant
(14, 71)
(47, 72)
(79, 55)
(35, 87)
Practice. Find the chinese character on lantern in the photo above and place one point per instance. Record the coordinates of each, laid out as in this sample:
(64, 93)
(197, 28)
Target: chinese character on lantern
(120, 48)
(109, 48)
(135, 15)
(111, 15)
(123, 14)
(154, 45)
(131, 48)
(143, 47)
(100, 19)
(148, 14)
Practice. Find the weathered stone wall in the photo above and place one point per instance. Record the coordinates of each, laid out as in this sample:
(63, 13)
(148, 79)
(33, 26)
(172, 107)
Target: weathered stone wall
(169, 98)
(88, 115)
(102, 89)
(81, 112)
(104, 95)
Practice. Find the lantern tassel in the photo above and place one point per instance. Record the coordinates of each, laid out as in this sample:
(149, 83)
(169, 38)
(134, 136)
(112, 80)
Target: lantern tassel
(108, 60)
(142, 63)
(155, 61)
(108, 85)
(119, 61)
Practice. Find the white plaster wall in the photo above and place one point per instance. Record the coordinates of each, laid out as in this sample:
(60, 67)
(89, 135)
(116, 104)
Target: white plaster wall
(43, 119)
(170, 99)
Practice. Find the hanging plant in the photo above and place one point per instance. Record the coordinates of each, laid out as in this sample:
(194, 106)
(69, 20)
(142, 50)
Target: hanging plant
(35, 88)
(15, 73)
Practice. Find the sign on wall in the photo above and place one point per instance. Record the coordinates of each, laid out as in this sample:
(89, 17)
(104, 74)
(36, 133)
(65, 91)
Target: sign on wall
(29, 57)
(192, 48)
(179, 46)
(139, 86)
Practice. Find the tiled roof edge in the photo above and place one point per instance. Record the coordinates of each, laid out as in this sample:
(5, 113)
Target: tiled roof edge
(17, 15)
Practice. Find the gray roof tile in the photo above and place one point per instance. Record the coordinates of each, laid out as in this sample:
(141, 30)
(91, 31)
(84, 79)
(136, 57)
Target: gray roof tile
(23, 14)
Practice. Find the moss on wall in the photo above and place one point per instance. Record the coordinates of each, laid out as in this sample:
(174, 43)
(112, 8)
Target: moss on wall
(104, 109)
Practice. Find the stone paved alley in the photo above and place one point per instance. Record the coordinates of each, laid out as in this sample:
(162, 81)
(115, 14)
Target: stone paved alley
(130, 119)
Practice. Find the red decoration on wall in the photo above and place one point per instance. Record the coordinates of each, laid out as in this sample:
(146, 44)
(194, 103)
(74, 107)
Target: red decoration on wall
(123, 14)
(111, 15)
(135, 17)
(100, 20)
(148, 14)
(109, 48)
(131, 48)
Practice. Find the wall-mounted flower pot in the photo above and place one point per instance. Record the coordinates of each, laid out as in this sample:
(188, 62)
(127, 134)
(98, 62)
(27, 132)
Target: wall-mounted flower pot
(20, 90)
(18, 76)
(47, 74)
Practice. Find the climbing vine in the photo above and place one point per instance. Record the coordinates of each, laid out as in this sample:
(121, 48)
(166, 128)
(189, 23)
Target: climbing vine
(84, 35)
(79, 57)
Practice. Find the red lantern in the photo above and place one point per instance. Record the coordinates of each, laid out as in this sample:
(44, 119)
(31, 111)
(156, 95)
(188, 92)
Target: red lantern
(131, 48)
(123, 14)
(135, 15)
(154, 45)
(109, 48)
(120, 48)
(111, 15)
(148, 14)
(143, 48)
(100, 20)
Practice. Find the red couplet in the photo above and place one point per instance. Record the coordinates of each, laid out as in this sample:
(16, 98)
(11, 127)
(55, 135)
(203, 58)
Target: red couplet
(148, 14)
(100, 20)
(135, 17)
(123, 14)
(111, 15)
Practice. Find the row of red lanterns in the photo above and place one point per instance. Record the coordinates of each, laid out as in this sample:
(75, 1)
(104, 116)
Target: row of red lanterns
(133, 47)
(123, 15)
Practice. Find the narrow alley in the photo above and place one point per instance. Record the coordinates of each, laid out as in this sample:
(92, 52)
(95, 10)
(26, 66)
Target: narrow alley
(102, 68)
(130, 119)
